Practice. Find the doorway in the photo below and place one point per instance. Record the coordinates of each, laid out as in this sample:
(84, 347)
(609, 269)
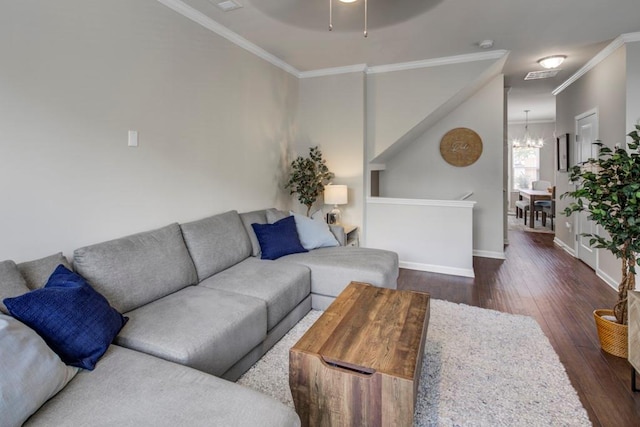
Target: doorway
(586, 135)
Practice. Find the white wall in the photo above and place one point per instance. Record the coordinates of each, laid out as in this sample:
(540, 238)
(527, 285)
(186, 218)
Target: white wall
(602, 88)
(398, 101)
(214, 121)
(420, 172)
(633, 85)
(331, 115)
(427, 235)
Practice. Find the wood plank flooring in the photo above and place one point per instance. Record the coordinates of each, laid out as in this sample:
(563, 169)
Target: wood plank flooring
(541, 280)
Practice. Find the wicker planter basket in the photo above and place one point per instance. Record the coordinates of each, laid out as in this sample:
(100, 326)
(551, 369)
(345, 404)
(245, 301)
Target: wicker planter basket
(614, 337)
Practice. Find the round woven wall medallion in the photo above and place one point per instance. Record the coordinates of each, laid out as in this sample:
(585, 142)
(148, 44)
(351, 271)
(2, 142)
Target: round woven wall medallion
(461, 147)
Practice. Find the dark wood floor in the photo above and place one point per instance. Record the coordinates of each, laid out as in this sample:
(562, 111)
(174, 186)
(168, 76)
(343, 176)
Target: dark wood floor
(540, 280)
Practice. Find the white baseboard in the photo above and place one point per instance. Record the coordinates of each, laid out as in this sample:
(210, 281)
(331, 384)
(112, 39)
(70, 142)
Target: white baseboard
(608, 279)
(442, 269)
(604, 276)
(571, 251)
(489, 254)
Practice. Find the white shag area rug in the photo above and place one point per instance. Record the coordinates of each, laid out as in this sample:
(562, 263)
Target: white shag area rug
(481, 368)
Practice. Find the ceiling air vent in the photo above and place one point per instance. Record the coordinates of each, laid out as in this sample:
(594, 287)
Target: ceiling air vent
(228, 5)
(536, 75)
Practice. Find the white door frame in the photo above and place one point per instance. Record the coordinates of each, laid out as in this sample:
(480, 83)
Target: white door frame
(574, 161)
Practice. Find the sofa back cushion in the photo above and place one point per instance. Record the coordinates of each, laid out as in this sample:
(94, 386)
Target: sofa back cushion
(137, 269)
(216, 243)
(253, 217)
(12, 284)
(37, 272)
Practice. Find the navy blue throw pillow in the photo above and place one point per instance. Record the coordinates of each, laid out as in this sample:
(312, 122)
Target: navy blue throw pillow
(75, 321)
(278, 239)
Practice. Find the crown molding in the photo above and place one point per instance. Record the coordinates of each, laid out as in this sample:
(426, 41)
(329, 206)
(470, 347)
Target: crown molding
(202, 19)
(358, 68)
(402, 66)
(436, 62)
(601, 56)
(208, 23)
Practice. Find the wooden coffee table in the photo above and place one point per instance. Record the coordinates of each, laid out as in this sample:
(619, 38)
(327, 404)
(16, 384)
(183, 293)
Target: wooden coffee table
(360, 363)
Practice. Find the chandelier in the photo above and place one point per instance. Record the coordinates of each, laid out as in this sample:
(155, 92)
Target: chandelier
(527, 141)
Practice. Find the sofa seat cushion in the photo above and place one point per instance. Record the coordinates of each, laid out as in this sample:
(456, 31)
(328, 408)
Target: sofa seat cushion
(281, 286)
(332, 269)
(203, 328)
(216, 243)
(137, 269)
(129, 388)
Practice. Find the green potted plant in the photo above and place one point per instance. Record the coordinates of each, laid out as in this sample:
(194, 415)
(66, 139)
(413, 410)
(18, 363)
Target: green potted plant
(608, 189)
(308, 177)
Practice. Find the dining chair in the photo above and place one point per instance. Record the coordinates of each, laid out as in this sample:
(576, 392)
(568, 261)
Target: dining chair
(522, 206)
(548, 208)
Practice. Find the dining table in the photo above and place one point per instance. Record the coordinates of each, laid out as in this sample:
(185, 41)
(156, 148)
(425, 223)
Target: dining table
(533, 196)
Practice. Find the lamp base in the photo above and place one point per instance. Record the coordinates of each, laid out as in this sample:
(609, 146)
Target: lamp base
(334, 216)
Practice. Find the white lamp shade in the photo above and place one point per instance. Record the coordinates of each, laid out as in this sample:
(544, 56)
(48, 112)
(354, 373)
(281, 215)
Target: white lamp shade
(335, 195)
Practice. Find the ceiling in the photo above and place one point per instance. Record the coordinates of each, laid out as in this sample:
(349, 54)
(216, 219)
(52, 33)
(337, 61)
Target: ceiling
(296, 32)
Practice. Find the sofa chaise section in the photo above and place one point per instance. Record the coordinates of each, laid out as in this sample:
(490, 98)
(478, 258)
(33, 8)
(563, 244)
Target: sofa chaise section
(333, 268)
(129, 388)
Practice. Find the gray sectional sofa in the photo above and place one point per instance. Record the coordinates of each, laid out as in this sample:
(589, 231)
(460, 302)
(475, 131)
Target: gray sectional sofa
(202, 308)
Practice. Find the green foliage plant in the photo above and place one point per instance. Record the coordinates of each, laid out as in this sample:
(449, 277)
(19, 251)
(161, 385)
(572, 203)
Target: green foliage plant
(608, 189)
(308, 177)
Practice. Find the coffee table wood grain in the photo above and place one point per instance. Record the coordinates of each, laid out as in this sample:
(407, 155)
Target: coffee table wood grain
(360, 363)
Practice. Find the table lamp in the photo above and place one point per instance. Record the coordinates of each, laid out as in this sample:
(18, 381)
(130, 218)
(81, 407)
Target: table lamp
(335, 195)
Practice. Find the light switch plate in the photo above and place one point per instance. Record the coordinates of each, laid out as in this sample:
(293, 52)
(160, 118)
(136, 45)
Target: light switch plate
(133, 138)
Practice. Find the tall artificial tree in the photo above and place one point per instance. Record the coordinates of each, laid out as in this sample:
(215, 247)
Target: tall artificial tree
(608, 189)
(308, 177)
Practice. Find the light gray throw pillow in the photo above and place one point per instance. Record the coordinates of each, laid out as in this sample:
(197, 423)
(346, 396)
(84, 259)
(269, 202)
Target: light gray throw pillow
(314, 233)
(31, 372)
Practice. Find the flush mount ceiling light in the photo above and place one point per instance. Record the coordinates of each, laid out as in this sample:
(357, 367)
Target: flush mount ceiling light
(347, 1)
(552, 61)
